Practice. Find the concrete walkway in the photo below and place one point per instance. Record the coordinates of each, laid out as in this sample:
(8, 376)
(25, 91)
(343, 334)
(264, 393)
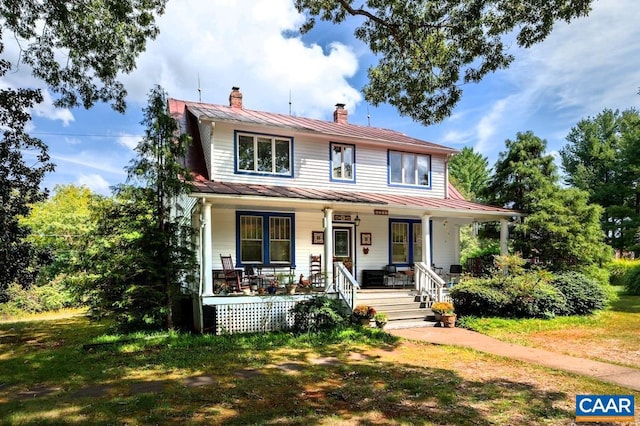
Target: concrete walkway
(623, 376)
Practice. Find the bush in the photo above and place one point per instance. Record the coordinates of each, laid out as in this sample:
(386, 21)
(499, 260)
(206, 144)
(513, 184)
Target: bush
(527, 295)
(52, 296)
(620, 271)
(478, 297)
(318, 314)
(583, 294)
(632, 280)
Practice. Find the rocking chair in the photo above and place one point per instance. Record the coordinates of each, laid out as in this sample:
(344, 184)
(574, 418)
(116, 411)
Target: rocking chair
(232, 276)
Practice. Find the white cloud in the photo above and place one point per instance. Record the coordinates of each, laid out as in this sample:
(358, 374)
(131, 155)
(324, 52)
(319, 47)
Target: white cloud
(95, 182)
(90, 160)
(47, 110)
(129, 141)
(228, 43)
(488, 124)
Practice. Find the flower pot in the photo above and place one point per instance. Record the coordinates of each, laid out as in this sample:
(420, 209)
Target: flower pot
(449, 320)
(437, 316)
(291, 288)
(365, 321)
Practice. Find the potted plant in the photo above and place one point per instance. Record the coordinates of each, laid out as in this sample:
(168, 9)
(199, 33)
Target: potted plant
(441, 308)
(273, 287)
(381, 319)
(363, 314)
(291, 285)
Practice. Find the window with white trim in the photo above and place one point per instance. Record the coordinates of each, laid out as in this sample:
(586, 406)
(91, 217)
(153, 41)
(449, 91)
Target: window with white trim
(265, 238)
(263, 154)
(409, 169)
(405, 241)
(343, 160)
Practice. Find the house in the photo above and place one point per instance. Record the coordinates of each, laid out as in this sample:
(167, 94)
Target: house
(275, 191)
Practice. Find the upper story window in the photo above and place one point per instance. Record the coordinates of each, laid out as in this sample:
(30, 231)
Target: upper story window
(343, 161)
(409, 169)
(264, 154)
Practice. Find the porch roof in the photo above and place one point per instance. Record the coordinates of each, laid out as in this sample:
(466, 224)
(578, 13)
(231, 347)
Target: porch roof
(453, 204)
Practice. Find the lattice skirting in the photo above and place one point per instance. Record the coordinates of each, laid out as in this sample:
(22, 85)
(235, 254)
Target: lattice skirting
(253, 317)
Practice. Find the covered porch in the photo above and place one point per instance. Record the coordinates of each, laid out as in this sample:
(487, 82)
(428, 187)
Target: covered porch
(361, 240)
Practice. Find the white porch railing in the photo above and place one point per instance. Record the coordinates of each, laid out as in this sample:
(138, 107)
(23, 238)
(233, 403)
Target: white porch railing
(429, 283)
(345, 285)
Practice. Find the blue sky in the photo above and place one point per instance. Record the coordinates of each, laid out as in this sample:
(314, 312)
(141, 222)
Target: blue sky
(581, 69)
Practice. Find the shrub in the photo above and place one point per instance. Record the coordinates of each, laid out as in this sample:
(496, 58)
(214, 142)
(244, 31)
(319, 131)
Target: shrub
(583, 294)
(531, 296)
(527, 295)
(48, 297)
(318, 314)
(619, 269)
(632, 280)
(478, 297)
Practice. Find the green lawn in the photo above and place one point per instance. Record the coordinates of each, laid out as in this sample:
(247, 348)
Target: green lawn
(612, 335)
(72, 371)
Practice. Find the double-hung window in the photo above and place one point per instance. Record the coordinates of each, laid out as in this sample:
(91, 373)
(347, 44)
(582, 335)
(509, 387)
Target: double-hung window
(405, 241)
(409, 169)
(264, 154)
(265, 238)
(343, 161)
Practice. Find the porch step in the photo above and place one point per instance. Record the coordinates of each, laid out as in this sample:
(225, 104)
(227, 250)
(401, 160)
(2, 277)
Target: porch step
(400, 306)
(409, 323)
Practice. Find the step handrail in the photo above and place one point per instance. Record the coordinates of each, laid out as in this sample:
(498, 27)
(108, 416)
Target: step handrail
(345, 284)
(429, 283)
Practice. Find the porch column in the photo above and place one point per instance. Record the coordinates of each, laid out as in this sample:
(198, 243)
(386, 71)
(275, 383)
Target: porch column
(426, 240)
(504, 236)
(207, 254)
(327, 221)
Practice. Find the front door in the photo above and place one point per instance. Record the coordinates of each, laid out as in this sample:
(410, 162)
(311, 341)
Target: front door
(343, 246)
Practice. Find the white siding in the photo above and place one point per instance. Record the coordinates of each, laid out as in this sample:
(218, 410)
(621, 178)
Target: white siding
(444, 237)
(311, 164)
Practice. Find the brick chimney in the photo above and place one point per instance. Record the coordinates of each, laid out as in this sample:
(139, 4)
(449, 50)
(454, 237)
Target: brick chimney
(340, 115)
(235, 98)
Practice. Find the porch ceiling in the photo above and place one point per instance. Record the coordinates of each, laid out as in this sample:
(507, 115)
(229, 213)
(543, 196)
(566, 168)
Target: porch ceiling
(451, 206)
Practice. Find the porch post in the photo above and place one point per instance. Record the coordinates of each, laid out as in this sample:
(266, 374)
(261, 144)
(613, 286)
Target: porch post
(504, 235)
(426, 240)
(207, 254)
(328, 245)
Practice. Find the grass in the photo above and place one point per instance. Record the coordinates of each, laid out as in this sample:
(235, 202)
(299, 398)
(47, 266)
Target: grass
(68, 370)
(611, 335)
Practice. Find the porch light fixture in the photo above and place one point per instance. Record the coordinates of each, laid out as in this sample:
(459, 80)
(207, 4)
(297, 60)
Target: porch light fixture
(357, 220)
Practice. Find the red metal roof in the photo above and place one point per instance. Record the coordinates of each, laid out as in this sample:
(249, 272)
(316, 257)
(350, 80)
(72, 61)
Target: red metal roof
(224, 113)
(203, 186)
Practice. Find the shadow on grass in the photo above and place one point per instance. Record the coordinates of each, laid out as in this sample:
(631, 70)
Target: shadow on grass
(254, 379)
(360, 392)
(626, 303)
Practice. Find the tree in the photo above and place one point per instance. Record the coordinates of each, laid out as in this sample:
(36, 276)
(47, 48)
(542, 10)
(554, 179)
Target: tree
(19, 184)
(522, 173)
(59, 225)
(141, 251)
(78, 49)
(561, 227)
(428, 49)
(469, 172)
(602, 157)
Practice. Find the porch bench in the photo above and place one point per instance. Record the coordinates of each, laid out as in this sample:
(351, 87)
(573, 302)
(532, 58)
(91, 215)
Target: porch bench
(372, 277)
